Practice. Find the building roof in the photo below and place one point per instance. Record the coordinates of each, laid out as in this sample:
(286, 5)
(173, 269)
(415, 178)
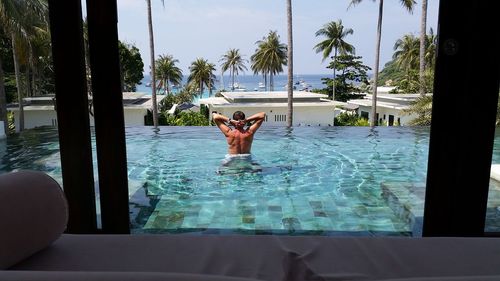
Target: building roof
(280, 104)
(131, 100)
(368, 103)
(269, 97)
(393, 101)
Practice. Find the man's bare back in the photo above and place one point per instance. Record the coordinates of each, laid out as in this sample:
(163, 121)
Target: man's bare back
(239, 139)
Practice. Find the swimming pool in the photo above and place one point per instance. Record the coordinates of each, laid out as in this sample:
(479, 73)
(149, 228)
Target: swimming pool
(319, 180)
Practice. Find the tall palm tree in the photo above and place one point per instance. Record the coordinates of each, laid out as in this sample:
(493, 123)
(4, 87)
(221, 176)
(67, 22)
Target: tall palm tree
(168, 72)
(423, 38)
(19, 20)
(153, 68)
(408, 5)
(289, 118)
(269, 57)
(233, 61)
(335, 34)
(202, 74)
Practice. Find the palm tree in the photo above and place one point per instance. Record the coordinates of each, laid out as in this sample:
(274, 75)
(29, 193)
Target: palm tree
(430, 50)
(335, 34)
(153, 68)
(422, 107)
(269, 57)
(407, 58)
(202, 74)
(408, 4)
(423, 38)
(233, 61)
(406, 53)
(289, 118)
(20, 20)
(168, 72)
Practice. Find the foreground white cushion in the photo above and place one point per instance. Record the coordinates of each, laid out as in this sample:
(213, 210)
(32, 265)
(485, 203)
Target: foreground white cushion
(33, 214)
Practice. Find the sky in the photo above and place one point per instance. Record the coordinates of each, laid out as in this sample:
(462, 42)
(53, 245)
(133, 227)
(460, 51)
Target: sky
(190, 29)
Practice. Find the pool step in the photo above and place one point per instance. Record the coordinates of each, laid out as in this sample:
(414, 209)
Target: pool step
(407, 201)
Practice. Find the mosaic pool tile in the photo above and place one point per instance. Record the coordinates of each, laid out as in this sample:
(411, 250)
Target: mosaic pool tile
(275, 208)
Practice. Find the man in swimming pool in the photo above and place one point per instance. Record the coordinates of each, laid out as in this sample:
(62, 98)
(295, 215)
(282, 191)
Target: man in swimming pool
(239, 139)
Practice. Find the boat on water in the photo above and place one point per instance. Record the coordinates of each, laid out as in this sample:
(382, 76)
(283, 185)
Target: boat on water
(239, 87)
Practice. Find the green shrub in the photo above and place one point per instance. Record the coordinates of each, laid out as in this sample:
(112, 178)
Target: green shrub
(350, 119)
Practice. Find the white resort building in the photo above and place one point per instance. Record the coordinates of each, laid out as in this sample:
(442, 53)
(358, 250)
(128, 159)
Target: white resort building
(309, 109)
(389, 107)
(41, 111)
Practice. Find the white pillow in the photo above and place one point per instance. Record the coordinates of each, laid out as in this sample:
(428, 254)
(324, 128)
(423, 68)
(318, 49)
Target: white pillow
(33, 214)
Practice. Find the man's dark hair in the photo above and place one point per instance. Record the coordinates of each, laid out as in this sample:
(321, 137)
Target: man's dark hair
(238, 115)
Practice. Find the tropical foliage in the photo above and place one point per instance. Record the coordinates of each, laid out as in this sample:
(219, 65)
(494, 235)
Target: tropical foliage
(406, 64)
(202, 75)
(167, 73)
(131, 66)
(350, 119)
(334, 42)
(24, 23)
(422, 109)
(185, 95)
(233, 61)
(186, 118)
(334, 33)
(269, 57)
(352, 74)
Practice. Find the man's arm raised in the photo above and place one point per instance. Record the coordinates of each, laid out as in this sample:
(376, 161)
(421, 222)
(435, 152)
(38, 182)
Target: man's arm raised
(257, 120)
(220, 120)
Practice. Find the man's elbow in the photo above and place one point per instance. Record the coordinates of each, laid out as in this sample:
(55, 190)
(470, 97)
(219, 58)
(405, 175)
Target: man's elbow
(262, 115)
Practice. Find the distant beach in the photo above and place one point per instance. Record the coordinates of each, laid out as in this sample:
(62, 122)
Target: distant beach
(251, 83)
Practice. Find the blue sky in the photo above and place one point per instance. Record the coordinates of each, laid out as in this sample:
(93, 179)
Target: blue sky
(189, 29)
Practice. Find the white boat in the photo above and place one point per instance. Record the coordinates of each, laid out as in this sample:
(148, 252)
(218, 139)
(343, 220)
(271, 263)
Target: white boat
(261, 85)
(238, 87)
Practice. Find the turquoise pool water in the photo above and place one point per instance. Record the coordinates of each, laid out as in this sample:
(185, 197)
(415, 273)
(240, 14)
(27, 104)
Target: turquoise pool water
(319, 180)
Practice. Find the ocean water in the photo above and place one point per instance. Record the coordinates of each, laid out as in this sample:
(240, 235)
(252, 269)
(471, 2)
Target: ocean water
(251, 82)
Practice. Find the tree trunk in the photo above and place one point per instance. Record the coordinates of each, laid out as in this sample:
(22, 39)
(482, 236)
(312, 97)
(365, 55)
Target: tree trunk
(289, 118)
(423, 30)
(265, 81)
(167, 86)
(28, 84)
(333, 83)
(377, 60)
(3, 101)
(334, 74)
(18, 85)
(232, 79)
(152, 56)
(271, 82)
(209, 87)
(34, 89)
(201, 89)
